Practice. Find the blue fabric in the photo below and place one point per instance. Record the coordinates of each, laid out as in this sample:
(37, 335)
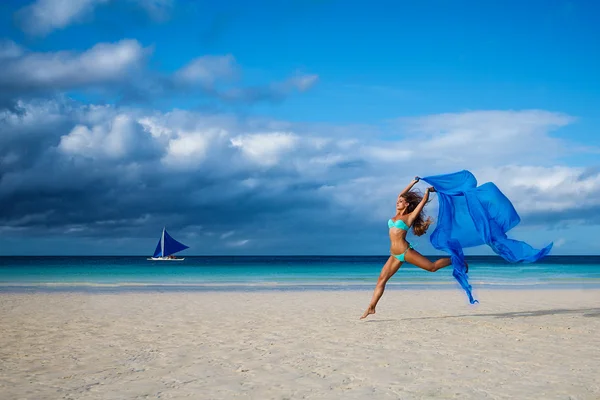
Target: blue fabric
(471, 216)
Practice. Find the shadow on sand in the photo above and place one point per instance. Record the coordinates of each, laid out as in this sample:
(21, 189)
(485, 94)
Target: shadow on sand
(585, 312)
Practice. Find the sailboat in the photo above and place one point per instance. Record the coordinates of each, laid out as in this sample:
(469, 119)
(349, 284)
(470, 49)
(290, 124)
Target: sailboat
(166, 247)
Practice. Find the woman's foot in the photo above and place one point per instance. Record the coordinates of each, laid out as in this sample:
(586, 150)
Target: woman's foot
(370, 310)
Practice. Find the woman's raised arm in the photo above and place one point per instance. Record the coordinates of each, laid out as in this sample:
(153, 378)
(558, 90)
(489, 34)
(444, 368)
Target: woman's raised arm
(410, 185)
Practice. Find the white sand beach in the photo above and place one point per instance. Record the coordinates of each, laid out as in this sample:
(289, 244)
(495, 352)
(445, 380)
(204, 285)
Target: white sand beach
(539, 344)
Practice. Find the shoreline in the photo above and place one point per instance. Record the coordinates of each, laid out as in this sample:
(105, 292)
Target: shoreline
(144, 287)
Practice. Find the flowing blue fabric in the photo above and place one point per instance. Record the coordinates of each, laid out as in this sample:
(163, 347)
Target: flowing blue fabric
(471, 216)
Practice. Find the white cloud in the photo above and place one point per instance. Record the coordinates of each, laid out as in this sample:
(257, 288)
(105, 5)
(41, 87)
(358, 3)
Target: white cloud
(392, 152)
(556, 189)
(120, 138)
(189, 150)
(44, 16)
(121, 69)
(496, 123)
(488, 137)
(101, 64)
(265, 149)
(207, 70)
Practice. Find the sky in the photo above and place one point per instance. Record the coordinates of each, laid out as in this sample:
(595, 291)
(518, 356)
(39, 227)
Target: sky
(289, 127)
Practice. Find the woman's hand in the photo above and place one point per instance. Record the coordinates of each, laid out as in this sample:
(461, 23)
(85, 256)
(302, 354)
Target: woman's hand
(410, 186)
(431, 189)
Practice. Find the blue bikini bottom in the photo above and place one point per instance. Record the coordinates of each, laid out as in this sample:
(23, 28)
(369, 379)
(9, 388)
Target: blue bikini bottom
(400, 257)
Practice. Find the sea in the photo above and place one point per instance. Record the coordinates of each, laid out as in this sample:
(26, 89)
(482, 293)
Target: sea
(282, 273)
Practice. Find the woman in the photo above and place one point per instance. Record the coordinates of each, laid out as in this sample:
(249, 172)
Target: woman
(409, 213)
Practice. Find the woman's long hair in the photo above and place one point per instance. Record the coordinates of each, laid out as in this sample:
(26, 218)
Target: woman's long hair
(420, 225)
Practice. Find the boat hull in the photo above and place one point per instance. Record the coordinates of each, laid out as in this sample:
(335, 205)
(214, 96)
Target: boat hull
(165, 259)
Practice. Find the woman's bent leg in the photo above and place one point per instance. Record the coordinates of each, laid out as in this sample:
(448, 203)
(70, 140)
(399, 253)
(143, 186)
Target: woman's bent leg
(415, 258)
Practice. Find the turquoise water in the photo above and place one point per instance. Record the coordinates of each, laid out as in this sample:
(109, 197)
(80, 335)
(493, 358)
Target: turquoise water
(280, 273)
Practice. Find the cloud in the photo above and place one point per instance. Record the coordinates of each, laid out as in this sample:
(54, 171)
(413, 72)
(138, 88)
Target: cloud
(116, 139)
(515, 150)
(273, 92)
(550, 195)
(212, 73)
(227, 234)
(9, 50)
(103, 64)
(44, 16)
(560, 242)
(125, 170)
(119, 70)
(301, 82)
(118, 171)
(159, 10)
(218, 77)
(265, 148)
(499, 124)
(206, 71)
(238, 243)
(484, 137)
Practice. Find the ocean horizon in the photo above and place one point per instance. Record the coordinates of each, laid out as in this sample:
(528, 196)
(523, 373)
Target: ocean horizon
(257, 273)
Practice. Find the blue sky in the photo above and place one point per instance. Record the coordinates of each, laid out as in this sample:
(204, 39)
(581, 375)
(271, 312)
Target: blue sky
(279, 112)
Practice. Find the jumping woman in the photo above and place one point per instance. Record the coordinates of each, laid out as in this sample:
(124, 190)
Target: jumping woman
(409, 213)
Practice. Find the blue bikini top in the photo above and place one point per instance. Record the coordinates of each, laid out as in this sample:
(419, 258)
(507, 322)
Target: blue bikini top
(398, 224)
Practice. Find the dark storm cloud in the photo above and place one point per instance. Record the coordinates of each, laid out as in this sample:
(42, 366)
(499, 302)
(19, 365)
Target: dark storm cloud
(103, 172)
(103, 169)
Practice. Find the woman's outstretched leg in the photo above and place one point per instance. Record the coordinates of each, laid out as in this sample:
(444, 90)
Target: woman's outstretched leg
(389, 269)
(415, 258)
